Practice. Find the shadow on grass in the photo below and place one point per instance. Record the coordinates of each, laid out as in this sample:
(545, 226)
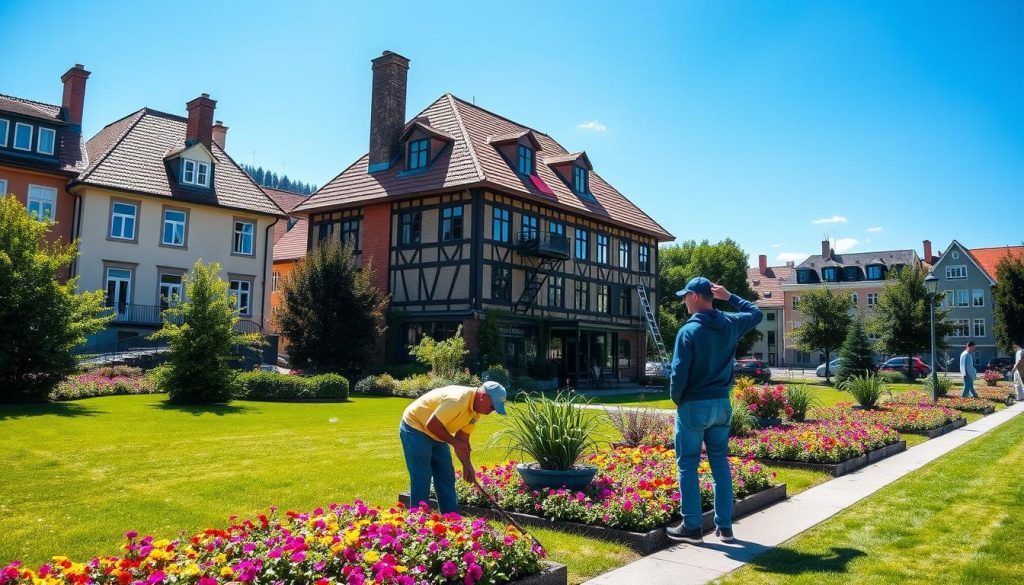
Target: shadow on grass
(201, 409)
(789, 562)
(16, 411)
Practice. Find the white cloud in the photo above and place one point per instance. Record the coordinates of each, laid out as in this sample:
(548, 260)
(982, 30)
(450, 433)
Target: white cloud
(833, 219)
(845, 244)
(592, 125)
(874, 229)
(797, 257)
(776, 245)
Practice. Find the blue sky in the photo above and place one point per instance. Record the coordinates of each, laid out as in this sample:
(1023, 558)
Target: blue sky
(877, 124)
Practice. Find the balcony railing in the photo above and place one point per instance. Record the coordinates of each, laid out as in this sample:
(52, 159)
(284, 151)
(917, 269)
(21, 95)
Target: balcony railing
(130, 314)
(532, 243)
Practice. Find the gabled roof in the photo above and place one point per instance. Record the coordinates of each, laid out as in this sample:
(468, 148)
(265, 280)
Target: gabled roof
(770, 283)
(861, 259)
(471, 161)
(73, 158)
(31, 109)
(428, 129)
(563, 159)
(286, 200)
(292, 244)
(969, 256)
(129, 155)
(988, 258)
(514, 137)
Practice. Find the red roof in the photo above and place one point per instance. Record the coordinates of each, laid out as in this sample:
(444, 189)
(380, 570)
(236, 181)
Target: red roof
(293, 244)
(286, 200)
(769, 286)
(472, 161)
(988, 258)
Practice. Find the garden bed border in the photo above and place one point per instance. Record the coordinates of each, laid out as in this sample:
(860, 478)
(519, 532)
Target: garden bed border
(939, 431)
(643, 542)
(843, 467)
(552, 574)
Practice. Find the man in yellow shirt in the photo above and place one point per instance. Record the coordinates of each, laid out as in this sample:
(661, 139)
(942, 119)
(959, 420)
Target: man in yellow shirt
(442, 417)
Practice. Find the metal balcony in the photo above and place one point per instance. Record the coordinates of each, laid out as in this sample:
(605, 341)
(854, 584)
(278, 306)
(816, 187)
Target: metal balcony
(532, 243)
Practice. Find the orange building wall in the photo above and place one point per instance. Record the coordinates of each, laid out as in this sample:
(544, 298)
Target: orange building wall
(18, 181)
(377, 242)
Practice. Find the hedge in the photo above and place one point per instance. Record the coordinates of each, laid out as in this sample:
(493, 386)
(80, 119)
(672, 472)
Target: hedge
(272, 386)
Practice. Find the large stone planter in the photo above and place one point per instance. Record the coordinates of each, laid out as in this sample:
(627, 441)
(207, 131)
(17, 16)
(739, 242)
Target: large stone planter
(574, 479)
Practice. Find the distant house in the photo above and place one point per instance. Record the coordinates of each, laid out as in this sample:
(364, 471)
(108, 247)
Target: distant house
(41, 149)
(463, 210)
(159, 192)
(862, 274)
(289, 245)
(767, 282)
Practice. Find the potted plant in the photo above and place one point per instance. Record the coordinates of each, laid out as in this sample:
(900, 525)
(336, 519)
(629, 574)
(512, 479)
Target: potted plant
(556, 434)
(765, 404)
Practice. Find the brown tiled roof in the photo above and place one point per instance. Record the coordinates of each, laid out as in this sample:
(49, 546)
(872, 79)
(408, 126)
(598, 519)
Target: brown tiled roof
(988, 258)
(770, 283)
(286, 200)
(73, 157)
(293, 244)
(471, 161)
(31, 109)
(129, 155)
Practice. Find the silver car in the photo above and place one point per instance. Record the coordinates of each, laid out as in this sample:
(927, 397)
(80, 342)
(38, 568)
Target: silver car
(833, 367)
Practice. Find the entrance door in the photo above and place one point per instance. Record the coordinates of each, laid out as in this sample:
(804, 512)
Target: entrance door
(119, 282)
(569, 358)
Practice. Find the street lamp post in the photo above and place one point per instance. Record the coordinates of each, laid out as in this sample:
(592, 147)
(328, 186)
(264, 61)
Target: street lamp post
(931, 286)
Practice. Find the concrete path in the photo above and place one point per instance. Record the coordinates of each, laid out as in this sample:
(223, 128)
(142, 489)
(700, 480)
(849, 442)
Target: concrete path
(764, 530)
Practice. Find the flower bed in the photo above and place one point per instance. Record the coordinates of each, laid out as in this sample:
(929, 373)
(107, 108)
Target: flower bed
(636, 489)
(901, 417)
(104, 382)
(998, 394)
(351, 544)
(955, 402)
(827, 441)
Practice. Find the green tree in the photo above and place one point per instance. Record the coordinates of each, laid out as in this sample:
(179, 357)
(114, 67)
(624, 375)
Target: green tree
(902, 319)
(856, 357)
(490, 348)
(444, 357)
(1009, 301)
(202, 341)
(724, 263)
(330, 312)
(41, 319)
(825, 317)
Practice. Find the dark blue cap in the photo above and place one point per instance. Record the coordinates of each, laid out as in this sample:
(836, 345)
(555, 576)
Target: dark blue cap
(699, 285)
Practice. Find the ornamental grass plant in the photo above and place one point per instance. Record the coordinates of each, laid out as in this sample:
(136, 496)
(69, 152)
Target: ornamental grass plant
(942, 387)
(556, 433)
(866, 390)
(642, 426)
(800, 400)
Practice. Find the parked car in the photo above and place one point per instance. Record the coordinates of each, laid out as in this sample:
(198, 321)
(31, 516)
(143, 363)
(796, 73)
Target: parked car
(1000, 364)
(833, 367)
(752, 368)
(899, 364)
(656, 369)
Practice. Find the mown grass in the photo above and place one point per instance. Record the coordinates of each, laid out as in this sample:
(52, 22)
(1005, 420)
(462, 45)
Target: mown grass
(959, 519)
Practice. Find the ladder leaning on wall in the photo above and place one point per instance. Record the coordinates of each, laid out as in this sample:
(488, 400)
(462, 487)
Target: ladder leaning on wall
(652, 327)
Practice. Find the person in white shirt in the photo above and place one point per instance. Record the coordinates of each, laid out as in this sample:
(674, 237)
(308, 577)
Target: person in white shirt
(967, 370)
(1018, 370)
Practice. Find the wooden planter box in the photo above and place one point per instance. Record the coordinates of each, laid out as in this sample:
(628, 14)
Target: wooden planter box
(843, 467)
(642, 542)
(939, 431)
(552, 574)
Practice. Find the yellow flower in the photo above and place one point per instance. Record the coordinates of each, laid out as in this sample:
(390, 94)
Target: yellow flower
(226, 572)
(220, 559)
(371, 556)
(401, 568)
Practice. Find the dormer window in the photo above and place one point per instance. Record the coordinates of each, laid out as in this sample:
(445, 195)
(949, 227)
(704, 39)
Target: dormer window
(22, 136)
(194, 172)
(525, 160)
(874, 272)
(47, 141)
(579, 175)
(830, 274)
(418, 153)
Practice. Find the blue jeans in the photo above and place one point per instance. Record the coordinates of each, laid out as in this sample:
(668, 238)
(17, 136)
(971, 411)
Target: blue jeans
(969, 387)
(428, 459)
(707, 422)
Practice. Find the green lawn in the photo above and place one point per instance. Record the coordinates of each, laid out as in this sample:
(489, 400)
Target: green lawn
(77, 475)
(959, 519)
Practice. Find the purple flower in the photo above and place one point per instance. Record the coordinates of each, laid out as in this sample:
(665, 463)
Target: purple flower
(449, 569)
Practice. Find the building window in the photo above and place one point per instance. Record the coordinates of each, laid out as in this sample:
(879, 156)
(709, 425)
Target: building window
(530, 229)
(874, 272)
(174, 227)
(501, 283)
(123, 217)
(962, 298)
(830, 274)
(242, 291)
(3, 187)
(771, 338)
(556, 291)
(624, 254)
(4, 127)
(644, 252)
(556, 228)
(350, 232)
(872, 299)
(42, 201)
(582, 299)
(170, 290)
(500, 224)
(582, 242)
(245, 232)
(602, 298)
(580, 180)
(410, 225)
(796, 301)
(325, 231)
(275, 282)
(22, 136)
(956, 272)
(119, 289)
(194, 172)
(804, 276)
(961, 327)
(47, 141)
(624, 354)
(602, 249)
(525, 160)
(977, 297)
(625, 301)
(418, 152)
(956, 255)
(979, 328)
(854, 298)
(451, 223)
(851, 273)
(769, 316)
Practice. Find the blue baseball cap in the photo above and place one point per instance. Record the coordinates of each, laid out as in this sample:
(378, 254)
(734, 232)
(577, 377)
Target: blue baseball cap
(699, 285)
(498, 395)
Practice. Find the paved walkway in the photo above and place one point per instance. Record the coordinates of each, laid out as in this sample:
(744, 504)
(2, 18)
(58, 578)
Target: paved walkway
(764, 530)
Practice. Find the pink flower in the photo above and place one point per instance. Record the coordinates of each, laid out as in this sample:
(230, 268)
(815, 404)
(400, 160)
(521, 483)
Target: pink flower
(449, 569)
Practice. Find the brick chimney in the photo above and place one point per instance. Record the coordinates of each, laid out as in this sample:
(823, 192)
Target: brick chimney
(387, 109)
(762, 264)
(826, 250)
(200, 121)
(220, 134)
(927, 251)
(73, 102)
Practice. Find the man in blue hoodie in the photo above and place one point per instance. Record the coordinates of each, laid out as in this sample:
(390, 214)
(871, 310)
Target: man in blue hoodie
(700, 382)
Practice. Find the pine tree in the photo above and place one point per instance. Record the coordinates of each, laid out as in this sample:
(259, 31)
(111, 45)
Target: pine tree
(902, 320)
(259, 176)
(41, 319)
(826, 317)
(286, 184)
(1009, 301)
(856, 357)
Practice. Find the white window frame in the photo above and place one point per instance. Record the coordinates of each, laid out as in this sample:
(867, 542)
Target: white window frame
(956, 255)
(194, 172)
(963, 298)
(237, 291)
(975, 328)
(977, 297)
(855, 298)
(238, 238)
(3, 187)
(177, 288)
(15, 142)
(957, 272)
(872, 299)
(53, 140)
(7, 130)
(183, 223)
(960, 326)
(115, 214)
(123, 307)
(33, 195)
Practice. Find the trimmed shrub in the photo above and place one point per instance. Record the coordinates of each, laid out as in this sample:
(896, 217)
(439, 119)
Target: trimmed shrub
(497, 374)
(399, 371)
(272, 386)
(382, 385)
(525, 384)
(542, 369)
(416, 386)
(892, 377)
